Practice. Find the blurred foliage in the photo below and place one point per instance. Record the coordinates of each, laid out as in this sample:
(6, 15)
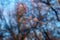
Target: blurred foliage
(29, 20)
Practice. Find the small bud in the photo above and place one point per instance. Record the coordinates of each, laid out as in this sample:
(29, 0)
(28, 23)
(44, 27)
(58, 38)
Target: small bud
(35, 19)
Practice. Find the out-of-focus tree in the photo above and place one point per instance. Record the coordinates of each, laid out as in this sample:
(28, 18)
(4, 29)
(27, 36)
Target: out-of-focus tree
(40, 24)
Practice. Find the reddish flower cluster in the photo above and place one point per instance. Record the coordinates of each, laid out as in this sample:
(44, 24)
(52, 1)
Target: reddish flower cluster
(21, 8)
